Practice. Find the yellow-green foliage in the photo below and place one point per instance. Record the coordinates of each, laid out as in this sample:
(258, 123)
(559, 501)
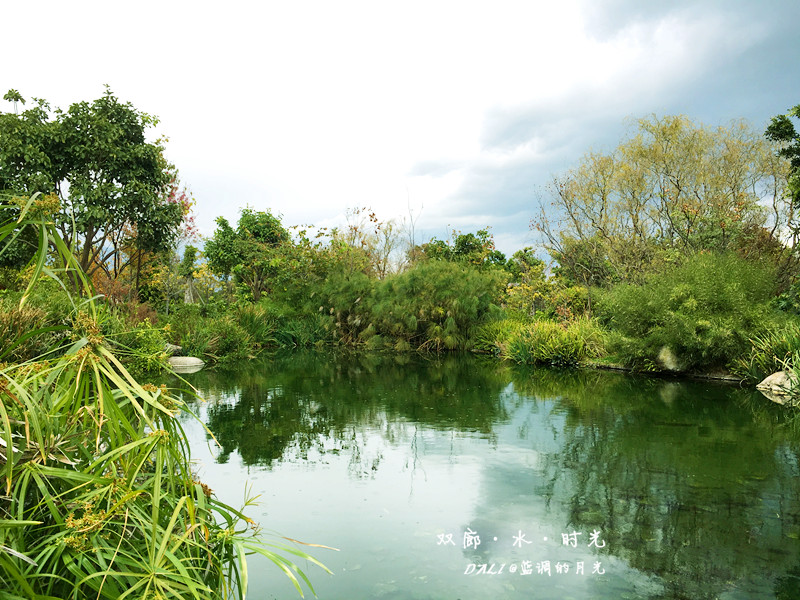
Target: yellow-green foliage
(550, 342)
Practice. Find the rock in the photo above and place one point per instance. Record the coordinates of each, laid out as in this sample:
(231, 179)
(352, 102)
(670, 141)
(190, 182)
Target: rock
(185, 364)
(778, 386)
(668, 359)
(172, 350)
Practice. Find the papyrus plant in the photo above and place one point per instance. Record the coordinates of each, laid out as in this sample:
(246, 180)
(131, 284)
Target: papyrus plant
(97, 495)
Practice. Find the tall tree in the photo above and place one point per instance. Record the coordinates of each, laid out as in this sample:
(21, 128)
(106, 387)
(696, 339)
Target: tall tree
(782, 130)
(674, 187)
(474, 248)
(109, 178)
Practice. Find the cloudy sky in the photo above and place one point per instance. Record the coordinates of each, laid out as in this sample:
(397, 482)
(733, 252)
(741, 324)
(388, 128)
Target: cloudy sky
(457, 112)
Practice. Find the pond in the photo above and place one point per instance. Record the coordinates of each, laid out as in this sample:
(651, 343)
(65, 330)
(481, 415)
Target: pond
(462, 478)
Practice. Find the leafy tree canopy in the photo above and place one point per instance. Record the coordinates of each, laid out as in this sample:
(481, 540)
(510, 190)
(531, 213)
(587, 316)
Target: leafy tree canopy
(250, 251)
(474, 248)
(96, 158)
(782, 130)
(671, 189)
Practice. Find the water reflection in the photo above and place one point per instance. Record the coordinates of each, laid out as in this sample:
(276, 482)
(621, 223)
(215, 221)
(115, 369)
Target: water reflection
(307, 400)
(695, 486)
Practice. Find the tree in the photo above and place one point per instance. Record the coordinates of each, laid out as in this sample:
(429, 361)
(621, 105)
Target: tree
(474, 248)
(523, 262)
(115, 187)
(672, 189)
(782, 130)
(250, 252)
(220, 249)
(186, 271)
(366, 244)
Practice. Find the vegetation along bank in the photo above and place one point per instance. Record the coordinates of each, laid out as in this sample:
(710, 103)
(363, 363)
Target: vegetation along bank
(676, 251)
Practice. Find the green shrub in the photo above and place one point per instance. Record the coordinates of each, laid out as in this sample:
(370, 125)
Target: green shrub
(699, 315)
(214, 338)
(436, 305)
(275, 324)
(220, 340)
(306, 330)
(140, 347)
(551, 342)
(261, 322)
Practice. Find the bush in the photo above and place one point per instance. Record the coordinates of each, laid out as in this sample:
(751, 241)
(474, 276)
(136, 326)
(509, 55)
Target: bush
(436, 305)
(213, 337)
(272, 324)
(550, 342)
(700, 315)
(492, 335)
(261, 322)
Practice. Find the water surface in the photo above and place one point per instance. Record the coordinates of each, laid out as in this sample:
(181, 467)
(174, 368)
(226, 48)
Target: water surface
(458, 477)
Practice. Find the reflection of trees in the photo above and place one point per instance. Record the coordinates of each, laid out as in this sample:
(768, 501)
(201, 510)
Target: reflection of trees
(288, 406)
(686, 486)
(705, 497)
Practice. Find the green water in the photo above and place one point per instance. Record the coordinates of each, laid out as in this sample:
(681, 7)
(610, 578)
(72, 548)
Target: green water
(689, 489)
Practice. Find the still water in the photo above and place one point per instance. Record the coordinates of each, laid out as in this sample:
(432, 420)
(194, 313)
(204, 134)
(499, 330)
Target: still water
(461, 478)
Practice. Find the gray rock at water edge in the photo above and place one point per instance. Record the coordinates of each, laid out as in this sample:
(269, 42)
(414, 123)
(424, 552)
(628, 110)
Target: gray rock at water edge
(778, 387)
(185, 364)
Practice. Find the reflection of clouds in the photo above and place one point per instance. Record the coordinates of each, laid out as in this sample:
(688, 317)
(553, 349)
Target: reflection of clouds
(683, 505)
(657, 468)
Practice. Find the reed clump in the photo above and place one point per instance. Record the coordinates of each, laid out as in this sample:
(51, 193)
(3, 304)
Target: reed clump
(97, 494)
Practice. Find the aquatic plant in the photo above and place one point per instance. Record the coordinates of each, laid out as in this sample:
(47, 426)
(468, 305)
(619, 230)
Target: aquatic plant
(98, 496)
(551, 342)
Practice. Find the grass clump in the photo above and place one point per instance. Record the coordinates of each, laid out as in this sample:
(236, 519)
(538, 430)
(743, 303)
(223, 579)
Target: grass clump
(775, 350)
(547, 342)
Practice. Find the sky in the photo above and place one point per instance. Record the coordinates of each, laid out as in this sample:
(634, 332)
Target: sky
(453, 114)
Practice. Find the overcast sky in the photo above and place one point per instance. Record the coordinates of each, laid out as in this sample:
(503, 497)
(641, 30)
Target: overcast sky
(460, 111)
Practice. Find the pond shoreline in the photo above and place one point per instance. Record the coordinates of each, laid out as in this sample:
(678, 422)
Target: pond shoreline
(727, 377)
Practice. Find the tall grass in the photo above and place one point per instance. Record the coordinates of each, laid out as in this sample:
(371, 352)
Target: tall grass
(774, 350)
(98, 498)
(544, 342)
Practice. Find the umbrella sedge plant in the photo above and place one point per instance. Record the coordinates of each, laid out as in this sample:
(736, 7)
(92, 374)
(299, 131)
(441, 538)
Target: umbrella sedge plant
(97, 496)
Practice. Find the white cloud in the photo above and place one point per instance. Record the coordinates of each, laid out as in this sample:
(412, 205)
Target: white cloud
(312, 107)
